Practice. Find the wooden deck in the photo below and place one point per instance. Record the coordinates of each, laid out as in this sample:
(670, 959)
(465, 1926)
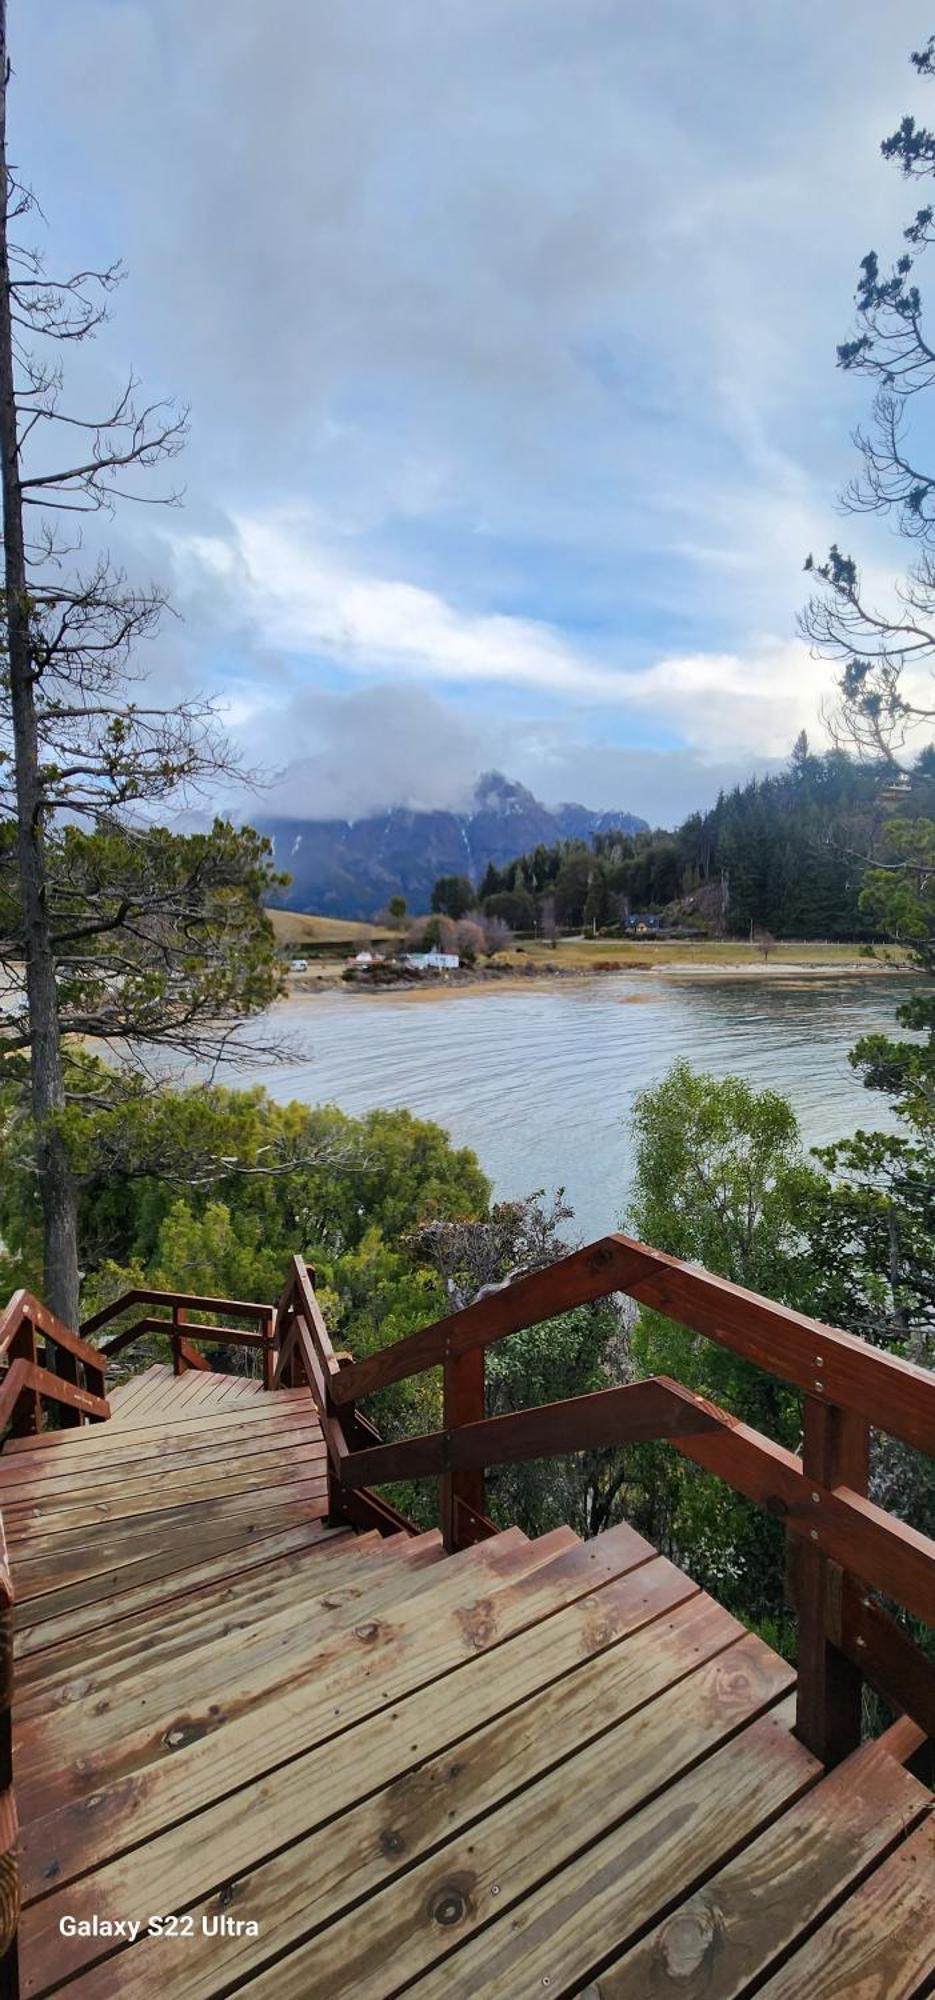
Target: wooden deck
(525, 1768)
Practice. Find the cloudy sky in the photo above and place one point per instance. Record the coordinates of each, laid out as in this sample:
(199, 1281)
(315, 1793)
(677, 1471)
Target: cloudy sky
(508, 332)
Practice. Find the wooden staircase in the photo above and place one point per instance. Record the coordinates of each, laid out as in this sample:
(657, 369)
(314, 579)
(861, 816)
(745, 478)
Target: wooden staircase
(267, 1739)
(351, 1765)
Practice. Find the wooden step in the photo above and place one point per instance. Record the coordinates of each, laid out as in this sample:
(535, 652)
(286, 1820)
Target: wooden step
(140, 1736)
(510, 1714)
(88, 1667)
(182, 1575)
(750, 1914)
(531, 1766)
(231, 1663)
(358, 1673)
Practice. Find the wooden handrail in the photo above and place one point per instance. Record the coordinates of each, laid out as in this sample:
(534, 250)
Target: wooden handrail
(26, 1385)
(226, 1336)
(25, 1310)
(142, 1295)
(851, 1530)
(304, 1353)
(842, 1543)
(835, 1367)
(27, 1375)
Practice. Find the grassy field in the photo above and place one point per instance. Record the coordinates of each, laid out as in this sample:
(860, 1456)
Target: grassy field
(337, 937)
(643, 952)
(292, 928)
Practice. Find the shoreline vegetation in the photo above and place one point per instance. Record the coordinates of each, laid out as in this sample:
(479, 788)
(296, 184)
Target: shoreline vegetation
(587, 959)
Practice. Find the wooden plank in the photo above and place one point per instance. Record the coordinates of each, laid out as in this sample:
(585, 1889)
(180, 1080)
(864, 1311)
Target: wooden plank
(51, 1508)
(882, 1941)
(32, 1528)
(314, 1787)
(638, 1412)
(114, 1725)
(44, 1565)
(21, 1483)
(754, 1912)
(313, 1878)
(59, 1450)
(121, 1390)
(384, 1751)
(559, 1831)
(169, 1415)
(607, 1892)
(362, 1673)
(159, 1426)
(133, 1596)
(160, 1393)
(142, 1393)
(124, 1743)
(106, 1660)
(236, 1534)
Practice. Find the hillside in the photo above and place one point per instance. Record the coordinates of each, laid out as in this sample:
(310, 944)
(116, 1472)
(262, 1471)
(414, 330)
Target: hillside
(350, 868)
(297, 929)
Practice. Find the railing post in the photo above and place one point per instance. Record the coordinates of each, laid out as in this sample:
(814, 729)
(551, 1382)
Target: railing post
(269, 1353)
(26, 1420)
(9, 1865)
(96, 1382)
(65, 1366)
(178, 1321)
(464, 1403)
(836, 1452)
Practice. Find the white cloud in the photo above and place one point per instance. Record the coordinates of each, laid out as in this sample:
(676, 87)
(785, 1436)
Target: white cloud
(281, 579)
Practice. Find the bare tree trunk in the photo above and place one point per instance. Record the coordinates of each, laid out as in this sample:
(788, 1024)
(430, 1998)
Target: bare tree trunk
(56, 1186)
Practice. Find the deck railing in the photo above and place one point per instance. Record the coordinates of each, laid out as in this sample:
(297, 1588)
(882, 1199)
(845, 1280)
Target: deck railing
(845, 1550)
(185, 1336)
(72, 1378)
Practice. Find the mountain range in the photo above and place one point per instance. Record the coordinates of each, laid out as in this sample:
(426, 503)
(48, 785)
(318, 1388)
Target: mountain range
(350, 868)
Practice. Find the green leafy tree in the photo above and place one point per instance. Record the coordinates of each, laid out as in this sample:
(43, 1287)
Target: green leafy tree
(720, 1180)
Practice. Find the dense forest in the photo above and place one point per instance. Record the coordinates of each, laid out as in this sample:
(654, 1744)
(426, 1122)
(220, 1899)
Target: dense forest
(785, 854)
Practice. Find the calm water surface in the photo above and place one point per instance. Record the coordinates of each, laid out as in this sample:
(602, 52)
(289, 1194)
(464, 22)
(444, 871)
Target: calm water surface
(540, 1083)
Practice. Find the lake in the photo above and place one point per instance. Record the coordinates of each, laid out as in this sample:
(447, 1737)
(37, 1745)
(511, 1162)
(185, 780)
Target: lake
(540, 1082)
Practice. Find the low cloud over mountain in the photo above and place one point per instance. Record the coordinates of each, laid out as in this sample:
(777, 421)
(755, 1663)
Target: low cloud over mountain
(350, 868)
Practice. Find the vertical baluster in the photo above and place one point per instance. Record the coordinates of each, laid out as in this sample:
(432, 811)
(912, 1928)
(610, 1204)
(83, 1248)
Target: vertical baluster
(95, 1380)
(65, 1365)
(836, 1452)
(178, 1320)
(464, 1391)
(26, 1420)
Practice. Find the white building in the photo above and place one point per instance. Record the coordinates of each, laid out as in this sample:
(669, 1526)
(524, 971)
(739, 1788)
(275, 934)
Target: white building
(432, 961)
